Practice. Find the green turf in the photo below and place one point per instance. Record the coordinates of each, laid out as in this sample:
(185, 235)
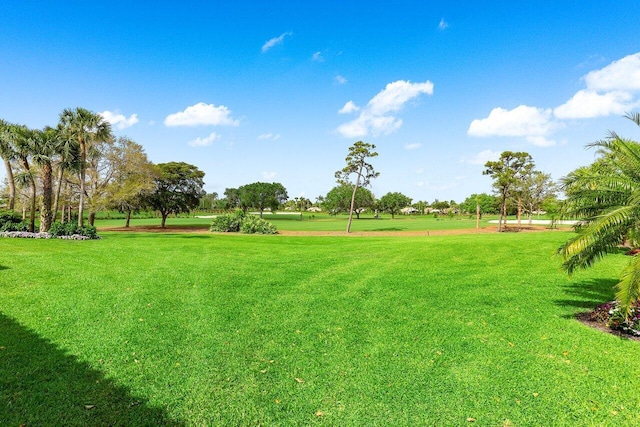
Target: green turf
(324, 222)
(139, 329)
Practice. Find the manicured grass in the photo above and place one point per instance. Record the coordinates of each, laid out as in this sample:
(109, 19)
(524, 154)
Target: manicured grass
(206, 329)
(324, 222)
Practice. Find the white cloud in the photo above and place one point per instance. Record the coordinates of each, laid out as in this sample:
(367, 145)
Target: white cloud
(412, 146)
(203, 142)
(481, 158)
(532, 123)
(269, 136)
(613, 89)
(317, 56)
(375, 118)
(119, 120)
(340, 79)
(420, 171)
(396, 94)
(348, 108)
(623, 75)
(201, 114)
(610, 90)
(443, 25)
(275, 41)
(587, 104)
(268, 176)
(367, 124)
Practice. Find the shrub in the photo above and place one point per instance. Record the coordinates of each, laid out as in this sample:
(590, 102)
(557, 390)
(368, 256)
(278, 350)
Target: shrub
(229, 223)
(10, 221)
(59, 229)
(255, 225)
(62, 229)
(239, 222)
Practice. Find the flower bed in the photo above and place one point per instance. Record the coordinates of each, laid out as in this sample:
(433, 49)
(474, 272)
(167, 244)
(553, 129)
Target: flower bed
(28, 235)
(611, 315)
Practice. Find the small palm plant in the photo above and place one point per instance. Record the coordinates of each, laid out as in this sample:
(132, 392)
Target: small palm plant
(605, 198)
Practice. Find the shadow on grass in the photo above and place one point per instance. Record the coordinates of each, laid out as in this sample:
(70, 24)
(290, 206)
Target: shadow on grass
(587, 295)
(41, 385)
(2, 267)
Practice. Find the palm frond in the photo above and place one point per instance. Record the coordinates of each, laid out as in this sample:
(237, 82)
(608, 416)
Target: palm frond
(597, 237)
(634, 117)
(629, 285)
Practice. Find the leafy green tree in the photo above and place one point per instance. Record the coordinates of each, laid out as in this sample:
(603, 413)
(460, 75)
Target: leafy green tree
(262, 195)
(86, 129)
(488, 204)
(340, 199)
(232, 198)
(357, 164)
(208, 201)
(536, 187)
(605, 197)
(178, 188)
(393, 203)
(132, 180)
(440, 205)
(420, 205)
(507, 172)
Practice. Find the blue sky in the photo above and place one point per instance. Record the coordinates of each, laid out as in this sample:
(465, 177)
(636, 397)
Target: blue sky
(278, 90)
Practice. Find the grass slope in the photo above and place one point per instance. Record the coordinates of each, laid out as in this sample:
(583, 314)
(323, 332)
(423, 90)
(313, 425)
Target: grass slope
(150, 329)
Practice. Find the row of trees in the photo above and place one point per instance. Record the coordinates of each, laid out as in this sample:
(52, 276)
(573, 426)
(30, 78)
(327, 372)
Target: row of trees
(515, 180)
(79, 165)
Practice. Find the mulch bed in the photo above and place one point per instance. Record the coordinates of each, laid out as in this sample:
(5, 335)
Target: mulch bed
(590, 319)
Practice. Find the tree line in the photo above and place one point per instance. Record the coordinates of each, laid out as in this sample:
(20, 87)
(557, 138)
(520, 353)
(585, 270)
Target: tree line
(78, 164)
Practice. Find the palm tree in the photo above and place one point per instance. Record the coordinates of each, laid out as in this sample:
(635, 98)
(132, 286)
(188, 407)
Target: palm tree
(45, 148)
(24, 143)
(8, 154)
(68, 157)
(86, 128)
(605, 197)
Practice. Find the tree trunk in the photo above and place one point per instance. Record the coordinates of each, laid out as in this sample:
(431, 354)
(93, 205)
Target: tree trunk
(62, 213)
(47, 190)
(92, 218)
(32, 196)
(83, 173)
(32, 213)
(519, 211)
(503, 212)
(56, 199)
(164, 219)
(11, 183)
(353, 200)
(477, 215)
(126, 225)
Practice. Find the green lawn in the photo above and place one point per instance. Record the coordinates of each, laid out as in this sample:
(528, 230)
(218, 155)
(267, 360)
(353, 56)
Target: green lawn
(203, 329)
(324, 222)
